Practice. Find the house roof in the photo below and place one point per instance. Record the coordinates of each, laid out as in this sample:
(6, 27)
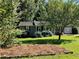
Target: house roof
(25, 24)
(31, 23)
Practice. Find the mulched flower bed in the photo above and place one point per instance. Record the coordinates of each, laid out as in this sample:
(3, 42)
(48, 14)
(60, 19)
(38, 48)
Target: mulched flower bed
(32, 50)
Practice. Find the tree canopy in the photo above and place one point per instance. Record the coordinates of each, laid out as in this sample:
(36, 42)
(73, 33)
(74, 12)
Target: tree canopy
(31, 9)
(62, 13)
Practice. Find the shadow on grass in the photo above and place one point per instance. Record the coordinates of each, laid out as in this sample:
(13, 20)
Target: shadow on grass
(44, 41)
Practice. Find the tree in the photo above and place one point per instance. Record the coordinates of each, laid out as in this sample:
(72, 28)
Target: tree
(7, 23)
(41, 14)
(27, 9)
(31, 10)
(62, 13)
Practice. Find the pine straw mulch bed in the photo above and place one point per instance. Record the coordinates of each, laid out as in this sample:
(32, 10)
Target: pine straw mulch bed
(32, 50)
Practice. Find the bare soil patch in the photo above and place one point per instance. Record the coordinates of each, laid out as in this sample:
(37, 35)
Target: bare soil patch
(32, 50)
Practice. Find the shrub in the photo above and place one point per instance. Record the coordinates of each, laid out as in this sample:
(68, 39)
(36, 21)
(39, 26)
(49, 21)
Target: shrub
(38, 34)
(7, 23)
(47, 33)
(18, 32)
(74, 31)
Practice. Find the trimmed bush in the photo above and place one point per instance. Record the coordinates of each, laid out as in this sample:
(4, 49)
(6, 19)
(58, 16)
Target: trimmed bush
(47, 33)
(38, 34)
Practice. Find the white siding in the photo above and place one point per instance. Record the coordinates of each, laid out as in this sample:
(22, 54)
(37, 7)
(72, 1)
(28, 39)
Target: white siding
(78, 29)
(67, 30)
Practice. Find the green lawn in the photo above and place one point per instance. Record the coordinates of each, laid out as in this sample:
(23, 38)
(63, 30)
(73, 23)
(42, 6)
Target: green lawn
(70, 42)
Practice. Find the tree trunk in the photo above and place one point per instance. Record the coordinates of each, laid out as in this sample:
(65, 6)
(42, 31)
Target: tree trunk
(59, 37)
(60, 32)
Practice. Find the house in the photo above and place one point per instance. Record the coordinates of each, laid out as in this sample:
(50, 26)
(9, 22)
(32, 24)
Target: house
(45, 25)
(34, 25)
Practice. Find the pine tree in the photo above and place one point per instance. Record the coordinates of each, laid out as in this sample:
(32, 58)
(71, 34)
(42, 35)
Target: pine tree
(42, 11)
(31, 9)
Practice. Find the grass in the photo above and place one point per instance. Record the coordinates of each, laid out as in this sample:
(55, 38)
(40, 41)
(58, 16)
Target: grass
(70, 42)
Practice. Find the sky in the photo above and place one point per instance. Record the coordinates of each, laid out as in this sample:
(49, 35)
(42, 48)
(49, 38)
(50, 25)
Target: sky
(64, 0)
(46, 0)
(78, 0)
